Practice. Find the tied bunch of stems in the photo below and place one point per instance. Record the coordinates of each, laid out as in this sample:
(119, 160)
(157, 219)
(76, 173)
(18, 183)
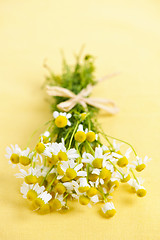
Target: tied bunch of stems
(69, 160)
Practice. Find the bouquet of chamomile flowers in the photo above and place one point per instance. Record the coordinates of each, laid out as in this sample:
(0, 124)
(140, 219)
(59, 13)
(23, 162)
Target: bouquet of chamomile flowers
(69, 160)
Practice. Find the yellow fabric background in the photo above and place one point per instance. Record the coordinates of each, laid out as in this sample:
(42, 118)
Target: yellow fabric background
(125, 37)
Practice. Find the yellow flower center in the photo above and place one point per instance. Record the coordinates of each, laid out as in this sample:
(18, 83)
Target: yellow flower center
(140, 167)
(30, 179)
(44, 209)
(60, 188)
(40, 147)
(61, 121)
(45, 139)
(31, 195)
(90, 136)
(141, 192)
(80, 136)
(83, 116)
(40, 179)
(122, 162)
(55, 204)
(91, 192)
(110, 213)
(65, 179)
(106, 151)
(83, 189)
(119, 152)
(53, 160)
(115, 183)
(59, 169)
(126, 179)
(14, 158)
(50, 177)
(71, 173)
(93, 177)
(62, 156)
(37, 203)
(24, 160)
(84, 200)
(97, 162)
(105, 174)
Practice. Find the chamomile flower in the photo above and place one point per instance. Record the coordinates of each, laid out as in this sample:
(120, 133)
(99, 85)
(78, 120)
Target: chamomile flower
(83, 185)
(24, 157)
(137, 186)
(80, 135)
(123, 177)
(123, 161)
(25, 188)
(109, 209)
(62, 119)
(13, 153)
(69, 170)
(31, 177)
(57, 203)
(97, 161)
(91, 136)
(141, 164)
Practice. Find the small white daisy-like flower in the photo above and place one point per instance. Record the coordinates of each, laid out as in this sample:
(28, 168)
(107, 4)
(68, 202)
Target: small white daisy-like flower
(13, 149)
(90, 135)
(62, 119)
(80, 135)
(108, 207)
(140, 190)
(140, 164)
(71, 169)
(13, 153)
(98, 160)
(26, 187)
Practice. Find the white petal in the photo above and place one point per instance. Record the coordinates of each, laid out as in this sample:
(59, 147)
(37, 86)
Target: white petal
(78, 167)
(82, 174)
(55, 114)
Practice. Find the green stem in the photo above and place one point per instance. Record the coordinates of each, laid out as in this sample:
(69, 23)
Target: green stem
(51, 183)
(91, 149)
(131, 170)
(73, 135)
(106, 137)
(46, 175)
(65, 196)
(116, 168)
(103, 195)
(123, 142)
(67, 134)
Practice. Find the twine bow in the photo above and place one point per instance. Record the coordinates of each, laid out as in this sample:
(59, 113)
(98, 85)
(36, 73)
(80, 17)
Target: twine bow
(82, 98)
